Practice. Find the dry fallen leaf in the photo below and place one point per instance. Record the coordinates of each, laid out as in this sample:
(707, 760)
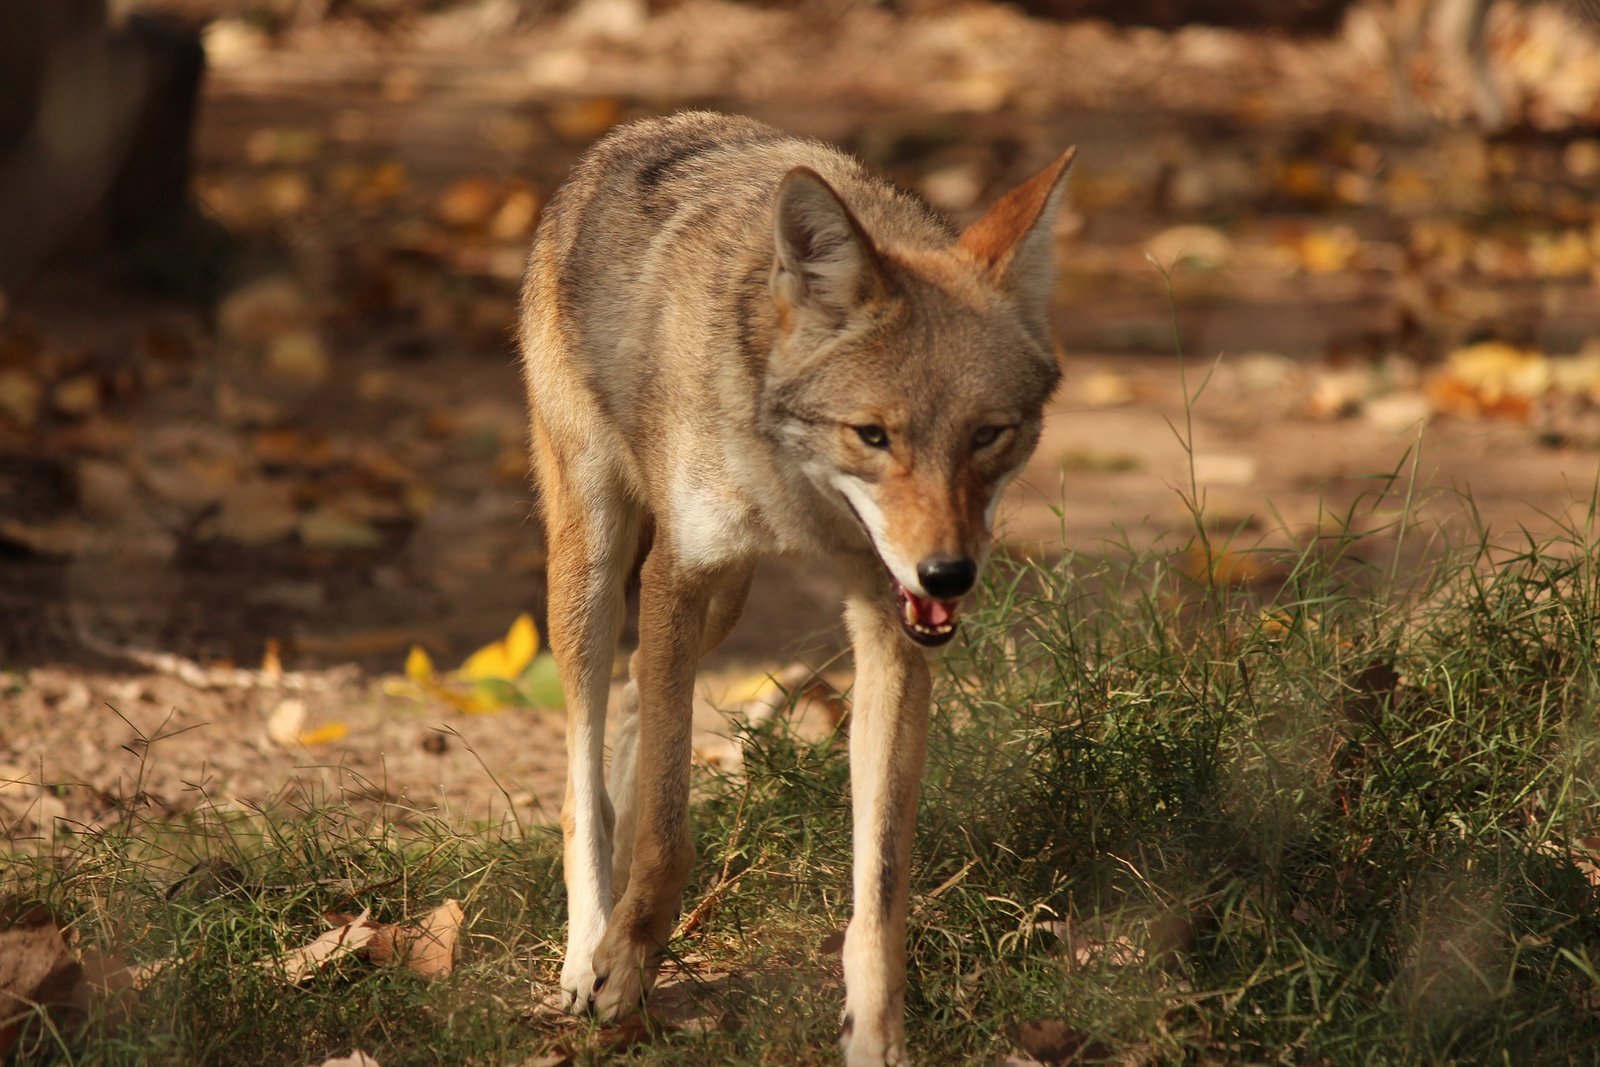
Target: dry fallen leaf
(299, 964)
(20, 395)
(113, 984)
(324, 735)
(1105, 389)
(36, 968)
(1329, 251)
(327, 527)
(291, 147)
(421, 678)
(1198, 247)
(469, 203)
(516, 217)
(1051, 1041)
(77, 397)
(1219, 566)
(254, 513)
(584, 120)
(263, 309)
(298, 356)
(426, 947)
(1490, 378)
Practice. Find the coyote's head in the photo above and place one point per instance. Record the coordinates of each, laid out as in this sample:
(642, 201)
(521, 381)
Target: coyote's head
(907, 381)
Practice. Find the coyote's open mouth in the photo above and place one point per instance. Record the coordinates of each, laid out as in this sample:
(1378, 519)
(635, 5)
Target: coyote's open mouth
(925, 620)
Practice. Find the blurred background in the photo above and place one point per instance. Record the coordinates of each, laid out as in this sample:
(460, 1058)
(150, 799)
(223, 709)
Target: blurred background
(260, 416)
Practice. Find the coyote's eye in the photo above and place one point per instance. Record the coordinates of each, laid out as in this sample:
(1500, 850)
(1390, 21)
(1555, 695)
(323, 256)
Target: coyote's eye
(873, 436)
(984, 436)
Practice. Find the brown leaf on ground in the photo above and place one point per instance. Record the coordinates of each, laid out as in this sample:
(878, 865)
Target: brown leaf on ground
(20, 396)
(113, 983)
(1490, 379)
(615, 1040)
(1052, 1041)
(469, 203)
(582, 121)
(326, 527)
(1586, 857)
(36, 969)
(300, 964)
(1227, 567)
(426, 946)
(254, 513)
(264, 309)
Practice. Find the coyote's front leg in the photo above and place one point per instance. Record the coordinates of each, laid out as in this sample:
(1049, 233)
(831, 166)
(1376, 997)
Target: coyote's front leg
(592, 540)
(888, 745)
(673, 631)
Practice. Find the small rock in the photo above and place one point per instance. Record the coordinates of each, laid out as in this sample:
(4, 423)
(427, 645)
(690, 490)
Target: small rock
(255, 513)
(1104, 389)
(1214, 469)
(1398, 412)
(954, 188)
(233, 43)
(298, 356)
(285, 721)
(1336, 394)
(1201, 247)
(263, 309)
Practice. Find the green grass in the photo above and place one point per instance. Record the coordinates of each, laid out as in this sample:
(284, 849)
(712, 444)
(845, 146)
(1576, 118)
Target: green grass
(1334, 821)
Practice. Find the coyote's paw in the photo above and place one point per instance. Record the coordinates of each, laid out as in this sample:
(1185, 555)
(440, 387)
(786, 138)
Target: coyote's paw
(880, 1045)
(577, 984)
(625, 967)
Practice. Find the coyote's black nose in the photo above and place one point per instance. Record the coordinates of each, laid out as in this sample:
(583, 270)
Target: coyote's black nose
(945, 578)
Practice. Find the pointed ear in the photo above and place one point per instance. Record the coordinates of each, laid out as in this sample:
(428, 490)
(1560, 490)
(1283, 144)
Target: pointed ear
(1012, 240)
(825, 264)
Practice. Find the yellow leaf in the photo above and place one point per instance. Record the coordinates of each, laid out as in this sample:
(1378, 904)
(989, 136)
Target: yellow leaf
(322, 735)
(419, 668)
(490, 661)
(472, 702)
(504, 659)
(751, 687)
(400, 687)
(522, 644)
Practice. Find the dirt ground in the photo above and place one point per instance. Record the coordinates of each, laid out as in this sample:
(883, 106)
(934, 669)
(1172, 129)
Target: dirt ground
(229, 512)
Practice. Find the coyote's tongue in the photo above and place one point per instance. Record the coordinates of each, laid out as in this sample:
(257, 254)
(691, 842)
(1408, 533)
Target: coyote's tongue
(924, 619)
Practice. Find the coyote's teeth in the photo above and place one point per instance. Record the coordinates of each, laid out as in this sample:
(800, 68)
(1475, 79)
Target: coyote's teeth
(910, 611)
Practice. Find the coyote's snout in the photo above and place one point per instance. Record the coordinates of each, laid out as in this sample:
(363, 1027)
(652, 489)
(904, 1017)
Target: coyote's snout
(749, 341)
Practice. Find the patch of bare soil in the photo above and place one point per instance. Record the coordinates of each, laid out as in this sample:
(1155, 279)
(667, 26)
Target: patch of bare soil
(318, 462)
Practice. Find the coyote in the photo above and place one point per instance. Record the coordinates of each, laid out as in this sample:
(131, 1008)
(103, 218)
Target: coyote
(739, 343)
